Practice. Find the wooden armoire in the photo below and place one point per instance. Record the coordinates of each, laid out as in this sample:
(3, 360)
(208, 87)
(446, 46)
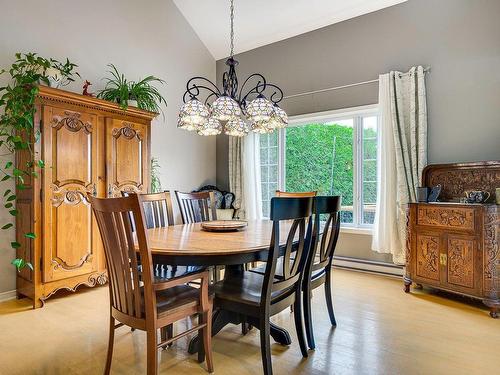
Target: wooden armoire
(88, 146)
(455, 246)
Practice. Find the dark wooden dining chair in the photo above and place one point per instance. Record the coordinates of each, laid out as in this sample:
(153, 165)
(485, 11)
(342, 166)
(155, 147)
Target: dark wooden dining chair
(319, 265)
(136, 299)
(258, 297)
(196, 207)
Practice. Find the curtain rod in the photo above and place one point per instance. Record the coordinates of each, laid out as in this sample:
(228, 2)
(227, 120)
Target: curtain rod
(340, 87)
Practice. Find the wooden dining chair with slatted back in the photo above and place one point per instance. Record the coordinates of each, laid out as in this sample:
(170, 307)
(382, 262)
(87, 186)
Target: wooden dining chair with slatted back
(319, 265)
(258, 297)
(196, 207)
(158, 213)
(137, 300)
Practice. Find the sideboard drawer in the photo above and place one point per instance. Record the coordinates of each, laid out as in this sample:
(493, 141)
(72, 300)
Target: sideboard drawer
(446, 217)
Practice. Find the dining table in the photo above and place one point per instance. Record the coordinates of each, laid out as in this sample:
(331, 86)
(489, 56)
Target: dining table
(191, 245)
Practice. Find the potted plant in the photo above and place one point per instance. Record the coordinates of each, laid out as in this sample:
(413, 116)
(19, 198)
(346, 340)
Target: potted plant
(17, 104)
(141, 94)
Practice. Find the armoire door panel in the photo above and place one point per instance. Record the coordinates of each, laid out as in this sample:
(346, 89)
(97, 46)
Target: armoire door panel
(70, 154)
(127, 157)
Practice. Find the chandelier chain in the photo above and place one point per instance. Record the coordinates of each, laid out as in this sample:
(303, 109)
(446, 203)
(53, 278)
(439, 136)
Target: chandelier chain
(231, 7)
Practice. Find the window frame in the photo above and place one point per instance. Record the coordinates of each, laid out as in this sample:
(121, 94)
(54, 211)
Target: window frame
(357, 114)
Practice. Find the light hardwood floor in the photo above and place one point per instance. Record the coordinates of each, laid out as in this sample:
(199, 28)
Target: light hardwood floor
(381, 331)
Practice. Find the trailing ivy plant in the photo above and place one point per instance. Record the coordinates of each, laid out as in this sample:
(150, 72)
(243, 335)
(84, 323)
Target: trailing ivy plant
(17, 105)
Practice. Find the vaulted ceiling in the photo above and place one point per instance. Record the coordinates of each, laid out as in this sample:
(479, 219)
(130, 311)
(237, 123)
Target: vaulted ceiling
(261, 22)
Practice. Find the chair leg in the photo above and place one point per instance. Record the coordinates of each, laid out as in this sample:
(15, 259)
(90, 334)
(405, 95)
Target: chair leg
(265, 346)
(297, 313)
(207, 340)
(167, 333)
(152, 352)
(307, 295)
(201, 347)
(329, 301)
(111, 340)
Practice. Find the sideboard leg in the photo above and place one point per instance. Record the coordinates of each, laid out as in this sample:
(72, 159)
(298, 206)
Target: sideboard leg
(407, 282)
(419, 286)
(494, 306)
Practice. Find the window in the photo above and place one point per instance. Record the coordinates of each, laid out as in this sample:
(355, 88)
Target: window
(334, 153)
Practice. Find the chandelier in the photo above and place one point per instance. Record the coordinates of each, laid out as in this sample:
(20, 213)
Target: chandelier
(233, 110)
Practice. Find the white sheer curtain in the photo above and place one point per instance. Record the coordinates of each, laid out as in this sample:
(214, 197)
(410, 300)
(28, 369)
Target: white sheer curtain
(402, 155)
(251, 177)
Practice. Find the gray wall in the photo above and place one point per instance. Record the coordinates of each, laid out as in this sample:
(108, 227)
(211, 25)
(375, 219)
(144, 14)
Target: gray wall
(140, 38)
(459, 39)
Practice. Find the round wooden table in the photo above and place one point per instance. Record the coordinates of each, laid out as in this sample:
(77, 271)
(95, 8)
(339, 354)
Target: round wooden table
(190, 245)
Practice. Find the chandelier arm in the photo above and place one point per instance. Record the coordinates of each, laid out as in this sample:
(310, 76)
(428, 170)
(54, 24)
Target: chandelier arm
(278, 93)
(257, 88)
(193, 89)
(209, 96)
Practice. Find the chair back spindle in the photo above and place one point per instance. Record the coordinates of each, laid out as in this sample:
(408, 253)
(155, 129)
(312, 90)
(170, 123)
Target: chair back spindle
(323, 246)
(196, 207)
(127, 280)
(283, 209)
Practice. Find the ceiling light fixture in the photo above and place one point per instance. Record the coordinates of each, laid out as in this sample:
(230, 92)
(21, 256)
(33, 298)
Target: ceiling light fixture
(233, 110)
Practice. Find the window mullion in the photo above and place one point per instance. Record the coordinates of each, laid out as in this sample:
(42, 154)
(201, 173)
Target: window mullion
(358, 172)
(281, 159)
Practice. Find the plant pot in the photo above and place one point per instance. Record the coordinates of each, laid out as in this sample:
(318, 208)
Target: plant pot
(132, 103)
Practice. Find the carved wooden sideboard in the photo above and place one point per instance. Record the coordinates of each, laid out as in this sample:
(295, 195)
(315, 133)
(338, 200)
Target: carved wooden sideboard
(453, 246)
(88, 146)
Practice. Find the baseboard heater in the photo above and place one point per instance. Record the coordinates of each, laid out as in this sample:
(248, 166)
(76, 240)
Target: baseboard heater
(364, 265)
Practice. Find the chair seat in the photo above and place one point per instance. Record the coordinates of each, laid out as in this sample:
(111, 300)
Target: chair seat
(177, 297)
(164, 272)
(245, 289)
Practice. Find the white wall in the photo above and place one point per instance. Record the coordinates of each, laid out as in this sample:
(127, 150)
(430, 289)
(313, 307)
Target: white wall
(140, 38)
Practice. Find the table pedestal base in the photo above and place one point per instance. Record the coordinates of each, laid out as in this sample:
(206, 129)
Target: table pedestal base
(221, 318)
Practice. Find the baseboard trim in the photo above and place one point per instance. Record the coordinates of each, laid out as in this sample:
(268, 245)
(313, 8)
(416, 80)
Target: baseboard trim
(6, 296)
(370, 266)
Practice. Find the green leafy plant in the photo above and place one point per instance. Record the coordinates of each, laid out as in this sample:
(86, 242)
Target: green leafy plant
(17, 101)
(155, 176)
(119, 90)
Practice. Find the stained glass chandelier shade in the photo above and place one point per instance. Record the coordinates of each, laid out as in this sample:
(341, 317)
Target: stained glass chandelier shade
(232, 110)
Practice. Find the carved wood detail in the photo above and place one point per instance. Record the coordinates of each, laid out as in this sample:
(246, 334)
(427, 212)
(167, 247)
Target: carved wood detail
(461, 262)
(74, 196)
(128, 131)
(427, 256)
(72, 122)
(456, 179)
(491, 277)
(94, 279)
(60, 263)
(462, 218)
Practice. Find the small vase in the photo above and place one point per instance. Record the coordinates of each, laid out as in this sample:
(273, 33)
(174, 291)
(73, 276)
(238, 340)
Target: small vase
(132, 103)
(54, 76)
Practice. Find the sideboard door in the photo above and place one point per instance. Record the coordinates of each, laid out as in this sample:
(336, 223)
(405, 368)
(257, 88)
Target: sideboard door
(463, 263)
(427, 256)
(70, 235)
(127, 160)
